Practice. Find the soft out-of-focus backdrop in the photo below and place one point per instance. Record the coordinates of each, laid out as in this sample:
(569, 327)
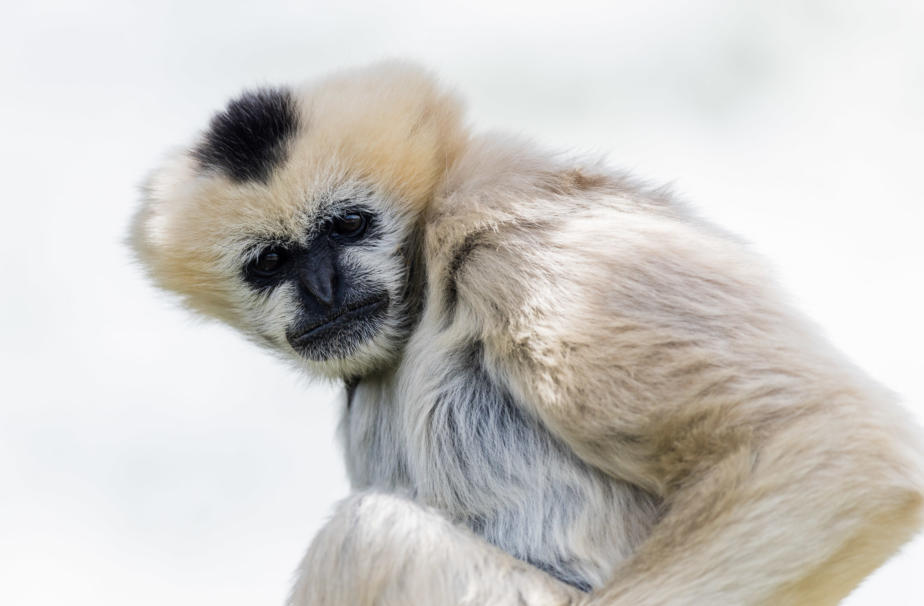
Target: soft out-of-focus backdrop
(148, 458)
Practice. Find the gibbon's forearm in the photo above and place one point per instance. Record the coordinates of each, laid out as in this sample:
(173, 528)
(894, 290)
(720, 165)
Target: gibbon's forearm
(744, 534)
(386, 550)
(760, 543)
(768, 527)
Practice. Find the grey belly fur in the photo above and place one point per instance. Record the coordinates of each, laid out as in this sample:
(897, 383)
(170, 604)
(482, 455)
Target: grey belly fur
(462, 444)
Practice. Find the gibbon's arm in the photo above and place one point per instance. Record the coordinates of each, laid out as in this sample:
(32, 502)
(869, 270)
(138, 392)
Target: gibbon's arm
(657, 349)
(385, 550)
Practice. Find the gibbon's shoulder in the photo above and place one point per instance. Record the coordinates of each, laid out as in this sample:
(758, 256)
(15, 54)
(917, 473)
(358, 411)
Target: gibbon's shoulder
(522, 239)
(507, 195)
(501, 182)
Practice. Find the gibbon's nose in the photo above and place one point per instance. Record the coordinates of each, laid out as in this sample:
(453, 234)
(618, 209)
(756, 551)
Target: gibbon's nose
(319, 277)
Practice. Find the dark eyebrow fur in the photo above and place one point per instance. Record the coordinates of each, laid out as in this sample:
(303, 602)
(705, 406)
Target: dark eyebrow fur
(249, 138)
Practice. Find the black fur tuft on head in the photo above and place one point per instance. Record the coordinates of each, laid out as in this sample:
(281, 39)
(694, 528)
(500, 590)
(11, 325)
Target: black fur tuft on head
(249, 138)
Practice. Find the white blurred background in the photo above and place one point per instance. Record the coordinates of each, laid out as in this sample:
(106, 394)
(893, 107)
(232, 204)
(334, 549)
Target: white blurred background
(147, 458)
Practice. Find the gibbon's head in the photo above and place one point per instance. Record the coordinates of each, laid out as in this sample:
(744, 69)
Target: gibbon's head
(294, 216)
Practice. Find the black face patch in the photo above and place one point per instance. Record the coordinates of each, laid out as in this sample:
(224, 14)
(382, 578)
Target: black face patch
(250, 137)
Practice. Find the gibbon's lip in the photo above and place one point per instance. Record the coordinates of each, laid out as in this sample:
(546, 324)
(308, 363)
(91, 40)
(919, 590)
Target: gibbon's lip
(344, 314)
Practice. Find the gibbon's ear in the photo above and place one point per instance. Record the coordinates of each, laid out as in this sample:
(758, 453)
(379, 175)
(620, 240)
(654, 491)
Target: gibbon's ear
(165, 189)
(170, 246)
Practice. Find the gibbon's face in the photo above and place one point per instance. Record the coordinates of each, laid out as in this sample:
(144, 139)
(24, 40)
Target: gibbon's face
(296, 215)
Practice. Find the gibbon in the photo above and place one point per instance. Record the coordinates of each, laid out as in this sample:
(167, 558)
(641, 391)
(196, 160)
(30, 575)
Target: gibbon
(561, 387)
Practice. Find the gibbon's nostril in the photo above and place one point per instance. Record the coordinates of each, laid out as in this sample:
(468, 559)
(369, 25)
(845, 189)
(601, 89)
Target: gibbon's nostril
(320, 280)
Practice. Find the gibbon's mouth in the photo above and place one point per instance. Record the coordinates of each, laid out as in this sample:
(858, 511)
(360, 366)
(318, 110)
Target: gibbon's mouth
(336, 322)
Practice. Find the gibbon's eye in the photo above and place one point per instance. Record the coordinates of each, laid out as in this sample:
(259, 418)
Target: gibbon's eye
(350, 225)
(269, 262)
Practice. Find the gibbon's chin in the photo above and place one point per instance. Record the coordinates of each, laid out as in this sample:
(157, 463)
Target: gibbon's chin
(341, 333)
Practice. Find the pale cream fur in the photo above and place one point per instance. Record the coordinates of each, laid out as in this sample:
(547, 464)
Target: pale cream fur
(653, 346)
